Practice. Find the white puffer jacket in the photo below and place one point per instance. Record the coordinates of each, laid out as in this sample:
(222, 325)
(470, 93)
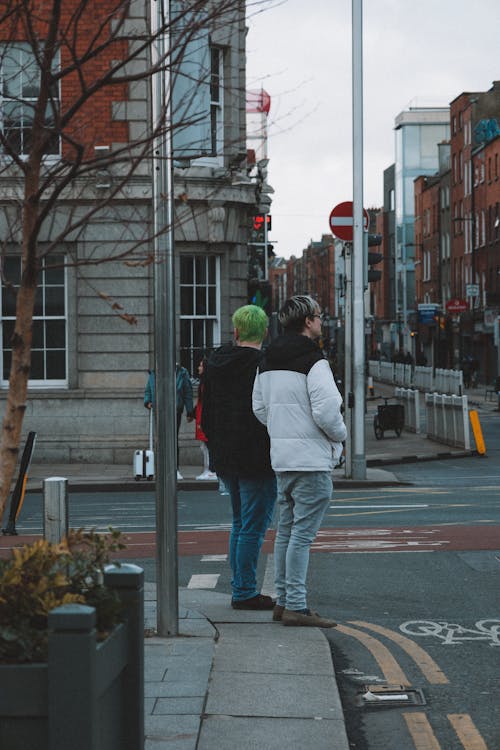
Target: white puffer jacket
(296, 397)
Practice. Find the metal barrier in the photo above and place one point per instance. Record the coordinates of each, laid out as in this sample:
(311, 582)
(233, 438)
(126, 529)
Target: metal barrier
(448, 419)
(411, 402)
(423, 378)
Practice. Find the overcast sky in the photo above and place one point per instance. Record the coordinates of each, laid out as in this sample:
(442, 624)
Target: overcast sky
(415, 53)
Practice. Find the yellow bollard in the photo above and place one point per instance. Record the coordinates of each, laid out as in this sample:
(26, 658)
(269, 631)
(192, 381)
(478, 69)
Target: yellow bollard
(478, 433)
(371, 389)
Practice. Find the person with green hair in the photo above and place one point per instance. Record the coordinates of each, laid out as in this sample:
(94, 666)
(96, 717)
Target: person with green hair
(239, 451)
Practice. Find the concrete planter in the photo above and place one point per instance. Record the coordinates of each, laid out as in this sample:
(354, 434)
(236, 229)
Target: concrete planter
(89, 695)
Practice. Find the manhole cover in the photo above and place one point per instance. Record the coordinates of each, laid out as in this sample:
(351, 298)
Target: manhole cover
(390, 696)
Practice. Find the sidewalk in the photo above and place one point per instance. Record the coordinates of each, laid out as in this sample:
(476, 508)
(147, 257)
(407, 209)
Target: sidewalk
(234, 679)
(389, 451)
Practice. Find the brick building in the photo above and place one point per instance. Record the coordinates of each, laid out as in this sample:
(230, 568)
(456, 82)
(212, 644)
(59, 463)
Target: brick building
(475, 219)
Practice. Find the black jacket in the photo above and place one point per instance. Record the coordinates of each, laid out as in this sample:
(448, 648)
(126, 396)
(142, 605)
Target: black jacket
(238, 442)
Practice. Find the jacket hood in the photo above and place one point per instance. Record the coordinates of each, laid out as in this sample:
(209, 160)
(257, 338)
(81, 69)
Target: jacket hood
(233, 361)
(292, 351)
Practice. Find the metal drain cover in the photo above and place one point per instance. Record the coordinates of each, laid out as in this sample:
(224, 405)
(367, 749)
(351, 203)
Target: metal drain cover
(390, 696)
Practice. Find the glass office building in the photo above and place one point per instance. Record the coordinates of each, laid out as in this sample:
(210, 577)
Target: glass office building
(419, 130)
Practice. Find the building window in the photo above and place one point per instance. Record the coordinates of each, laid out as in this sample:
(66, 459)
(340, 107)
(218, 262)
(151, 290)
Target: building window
(49, 343)
(216, 101)
(19, 89)
(199, 308)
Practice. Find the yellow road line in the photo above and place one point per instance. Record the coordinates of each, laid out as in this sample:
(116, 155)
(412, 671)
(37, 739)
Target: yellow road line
(467, 732)
(387, 663)
(424, 662)
(421, 731)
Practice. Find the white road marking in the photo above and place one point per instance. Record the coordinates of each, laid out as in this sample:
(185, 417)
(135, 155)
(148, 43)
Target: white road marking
(214, 558)
(203, 581)
(363, 507)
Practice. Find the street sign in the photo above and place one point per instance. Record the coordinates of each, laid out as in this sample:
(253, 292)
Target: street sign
(341, 221)
(456, 305)
(427, 313)
(472, 290)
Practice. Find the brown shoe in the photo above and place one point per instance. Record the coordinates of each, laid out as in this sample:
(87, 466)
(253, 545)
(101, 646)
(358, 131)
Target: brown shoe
(311, 619)
(278, 612)
(255, 602)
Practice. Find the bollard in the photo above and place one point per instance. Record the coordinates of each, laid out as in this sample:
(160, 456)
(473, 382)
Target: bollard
(55, 509)
(128, 582)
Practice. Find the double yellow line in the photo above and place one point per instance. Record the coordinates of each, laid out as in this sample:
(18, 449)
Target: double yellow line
(418, 725)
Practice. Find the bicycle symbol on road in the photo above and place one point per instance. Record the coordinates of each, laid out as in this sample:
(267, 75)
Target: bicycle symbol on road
(452, 634)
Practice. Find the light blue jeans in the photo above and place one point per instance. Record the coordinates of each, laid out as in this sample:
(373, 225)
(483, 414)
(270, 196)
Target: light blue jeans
(252, 502)
(303, 498)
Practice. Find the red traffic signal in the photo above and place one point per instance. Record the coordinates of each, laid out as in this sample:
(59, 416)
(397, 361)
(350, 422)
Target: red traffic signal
(259, 220)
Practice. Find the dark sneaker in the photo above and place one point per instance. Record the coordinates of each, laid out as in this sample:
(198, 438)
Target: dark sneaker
(306, 619)
(255, 602)
(278, 612)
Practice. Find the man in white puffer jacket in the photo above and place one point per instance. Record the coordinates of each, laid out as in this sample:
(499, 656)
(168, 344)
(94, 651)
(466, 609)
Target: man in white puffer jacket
(296, 397)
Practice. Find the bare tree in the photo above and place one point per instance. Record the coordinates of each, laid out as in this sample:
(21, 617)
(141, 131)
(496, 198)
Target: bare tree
(60, 62)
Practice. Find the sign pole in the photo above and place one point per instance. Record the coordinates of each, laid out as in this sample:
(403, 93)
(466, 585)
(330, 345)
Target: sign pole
(358, 307)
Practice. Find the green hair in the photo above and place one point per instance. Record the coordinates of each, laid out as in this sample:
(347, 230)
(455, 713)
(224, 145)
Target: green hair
(251, 322)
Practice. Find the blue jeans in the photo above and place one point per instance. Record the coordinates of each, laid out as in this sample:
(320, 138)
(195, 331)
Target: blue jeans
(252, 501)
(303, 498)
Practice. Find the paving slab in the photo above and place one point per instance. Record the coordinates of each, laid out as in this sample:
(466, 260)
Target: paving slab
(275, 656)
(229, 732)
(266, 695)
(171, 729)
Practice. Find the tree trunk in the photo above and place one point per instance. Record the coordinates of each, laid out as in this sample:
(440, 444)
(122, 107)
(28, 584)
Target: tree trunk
(18, 388)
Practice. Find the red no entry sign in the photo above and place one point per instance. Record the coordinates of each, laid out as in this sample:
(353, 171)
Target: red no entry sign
(456, 305)
(341, 221)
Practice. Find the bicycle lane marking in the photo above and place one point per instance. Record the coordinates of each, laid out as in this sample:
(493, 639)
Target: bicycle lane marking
(451, 634)
(431, 671)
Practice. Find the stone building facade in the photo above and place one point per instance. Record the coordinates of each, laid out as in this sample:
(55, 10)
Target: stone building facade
(94, 321)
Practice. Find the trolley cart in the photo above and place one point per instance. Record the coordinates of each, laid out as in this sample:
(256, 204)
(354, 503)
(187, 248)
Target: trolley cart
(388, 417)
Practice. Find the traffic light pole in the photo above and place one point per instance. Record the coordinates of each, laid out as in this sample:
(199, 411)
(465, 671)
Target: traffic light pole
(357, 263)
(348, 358)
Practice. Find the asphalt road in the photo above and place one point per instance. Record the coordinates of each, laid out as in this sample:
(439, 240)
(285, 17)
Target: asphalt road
(411, 574)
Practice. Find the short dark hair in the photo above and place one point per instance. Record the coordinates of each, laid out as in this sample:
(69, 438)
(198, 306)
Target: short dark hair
(295, 310)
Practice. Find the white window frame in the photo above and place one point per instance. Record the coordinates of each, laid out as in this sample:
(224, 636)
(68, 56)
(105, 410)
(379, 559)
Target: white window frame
(214, 319)
(216, 111)
(25, 102)
(40, 383)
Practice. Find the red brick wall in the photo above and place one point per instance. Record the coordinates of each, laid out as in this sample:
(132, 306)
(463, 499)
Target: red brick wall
(91, 124)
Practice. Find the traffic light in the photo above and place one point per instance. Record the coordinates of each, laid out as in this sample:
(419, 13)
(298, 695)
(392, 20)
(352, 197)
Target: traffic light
(260, 220)
(372, 258)
(260, 294)
(259, 247)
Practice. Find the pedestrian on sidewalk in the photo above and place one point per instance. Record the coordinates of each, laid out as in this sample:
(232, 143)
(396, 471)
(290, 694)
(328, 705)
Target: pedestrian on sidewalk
(184, 399)
(239, 451)
(199, 434)
(296, 397)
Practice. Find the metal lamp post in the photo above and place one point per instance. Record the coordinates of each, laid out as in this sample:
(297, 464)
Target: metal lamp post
(164, 330)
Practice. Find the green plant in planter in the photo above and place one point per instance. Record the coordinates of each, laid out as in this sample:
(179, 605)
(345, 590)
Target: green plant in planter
(41, 576)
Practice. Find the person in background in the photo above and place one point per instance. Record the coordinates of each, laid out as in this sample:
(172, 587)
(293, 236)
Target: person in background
(184, 399)
(199, 434)
(239, 451)
(296, 397)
